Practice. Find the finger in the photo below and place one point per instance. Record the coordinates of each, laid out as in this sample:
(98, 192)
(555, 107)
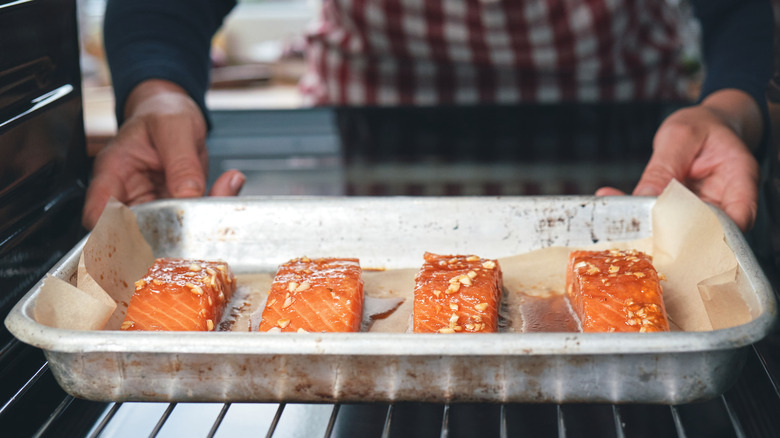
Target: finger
(740, 202)
(743, 214)
(609, 191)
(101, 189)
(660, 171)
(674, 148)
(228, 184)
(179, 144)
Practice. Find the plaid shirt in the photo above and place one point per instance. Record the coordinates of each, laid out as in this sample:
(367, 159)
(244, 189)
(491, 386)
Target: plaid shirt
(432, 52)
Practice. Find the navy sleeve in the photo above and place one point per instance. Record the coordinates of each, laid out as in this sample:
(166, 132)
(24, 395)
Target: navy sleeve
(737, 38)
(162, 39)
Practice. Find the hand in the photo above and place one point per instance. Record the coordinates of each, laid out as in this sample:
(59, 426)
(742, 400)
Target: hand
(159, 152)
(707, 147)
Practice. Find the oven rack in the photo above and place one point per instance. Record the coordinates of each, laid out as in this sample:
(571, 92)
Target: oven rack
(749, 409)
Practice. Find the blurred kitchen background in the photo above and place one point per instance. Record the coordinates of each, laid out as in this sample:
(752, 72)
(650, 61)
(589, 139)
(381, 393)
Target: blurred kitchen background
(258, 61)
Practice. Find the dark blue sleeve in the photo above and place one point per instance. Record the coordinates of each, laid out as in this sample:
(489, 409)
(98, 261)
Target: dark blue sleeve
(162, 39)
(737, 38)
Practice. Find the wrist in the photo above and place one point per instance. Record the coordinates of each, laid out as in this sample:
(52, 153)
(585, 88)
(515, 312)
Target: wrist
(148, 89)
(740, 112)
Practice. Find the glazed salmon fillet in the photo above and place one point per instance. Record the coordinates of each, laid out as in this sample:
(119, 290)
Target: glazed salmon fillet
(615, 291)
(457, 293)
(315, 295)
(180, 295)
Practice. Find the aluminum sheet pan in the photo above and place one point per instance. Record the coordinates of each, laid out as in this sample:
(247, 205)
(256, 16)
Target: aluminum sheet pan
(256, 234)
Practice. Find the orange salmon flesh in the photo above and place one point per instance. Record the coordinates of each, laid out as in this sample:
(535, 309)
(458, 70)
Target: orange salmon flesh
(615, 291)
(457, 294)
(315, 295)
(180, 295)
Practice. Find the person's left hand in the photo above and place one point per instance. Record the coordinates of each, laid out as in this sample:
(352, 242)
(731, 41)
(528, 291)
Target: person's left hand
(707, 148)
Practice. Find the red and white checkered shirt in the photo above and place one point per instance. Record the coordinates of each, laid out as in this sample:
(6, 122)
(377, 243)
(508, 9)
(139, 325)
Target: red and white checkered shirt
(429, 52)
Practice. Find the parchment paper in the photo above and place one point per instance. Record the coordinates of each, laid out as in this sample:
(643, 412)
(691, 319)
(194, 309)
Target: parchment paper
(114, 257)
(701, 290)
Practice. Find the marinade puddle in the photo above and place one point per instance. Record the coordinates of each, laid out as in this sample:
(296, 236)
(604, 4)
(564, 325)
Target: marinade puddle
(519, 311)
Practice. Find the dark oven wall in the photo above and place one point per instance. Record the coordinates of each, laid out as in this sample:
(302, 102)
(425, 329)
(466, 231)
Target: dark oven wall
(43, 172)
(43, 162)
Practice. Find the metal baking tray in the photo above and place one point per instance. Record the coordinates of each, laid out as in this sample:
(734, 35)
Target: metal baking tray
(256, 234)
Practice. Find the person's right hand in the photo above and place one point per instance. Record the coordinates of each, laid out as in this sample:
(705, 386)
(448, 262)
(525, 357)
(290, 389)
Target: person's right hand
(159, 152)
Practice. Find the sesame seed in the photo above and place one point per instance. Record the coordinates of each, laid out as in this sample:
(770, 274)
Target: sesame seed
(197, 290)
(465, 280)
(303, 286)
(300, 330)
(140, 284)
(305, 259)
(453, 318)
(283, 323)
(126, 325)
(157, 282)
(613, 269)
(194, 267)
(437, 292)
(481, 306)
(210, 324)
(490, 264)
(287, 303)
(454, 287)
(472, 274)
(292, 286)
(639, 274)
(446, 330)
(211, 302)
(472, 258)
(452, 260)
(453, 306)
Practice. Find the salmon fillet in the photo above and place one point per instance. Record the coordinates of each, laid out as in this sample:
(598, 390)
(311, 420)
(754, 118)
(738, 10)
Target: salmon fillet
(457, 293)
(180, 295)
(315, 295)
(615, 291)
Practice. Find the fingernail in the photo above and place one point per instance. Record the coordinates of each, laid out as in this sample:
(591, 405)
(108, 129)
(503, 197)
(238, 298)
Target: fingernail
(188, 188)
(237, 182)
(646, 191)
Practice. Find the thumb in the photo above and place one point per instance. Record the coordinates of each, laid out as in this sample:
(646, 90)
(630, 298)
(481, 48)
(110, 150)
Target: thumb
(185, 171)
(666, 164)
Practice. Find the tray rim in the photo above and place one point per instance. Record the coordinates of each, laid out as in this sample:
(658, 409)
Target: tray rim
(21, 324)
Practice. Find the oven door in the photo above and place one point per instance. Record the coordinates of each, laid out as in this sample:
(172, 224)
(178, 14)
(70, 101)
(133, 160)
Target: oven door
(43, 172)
